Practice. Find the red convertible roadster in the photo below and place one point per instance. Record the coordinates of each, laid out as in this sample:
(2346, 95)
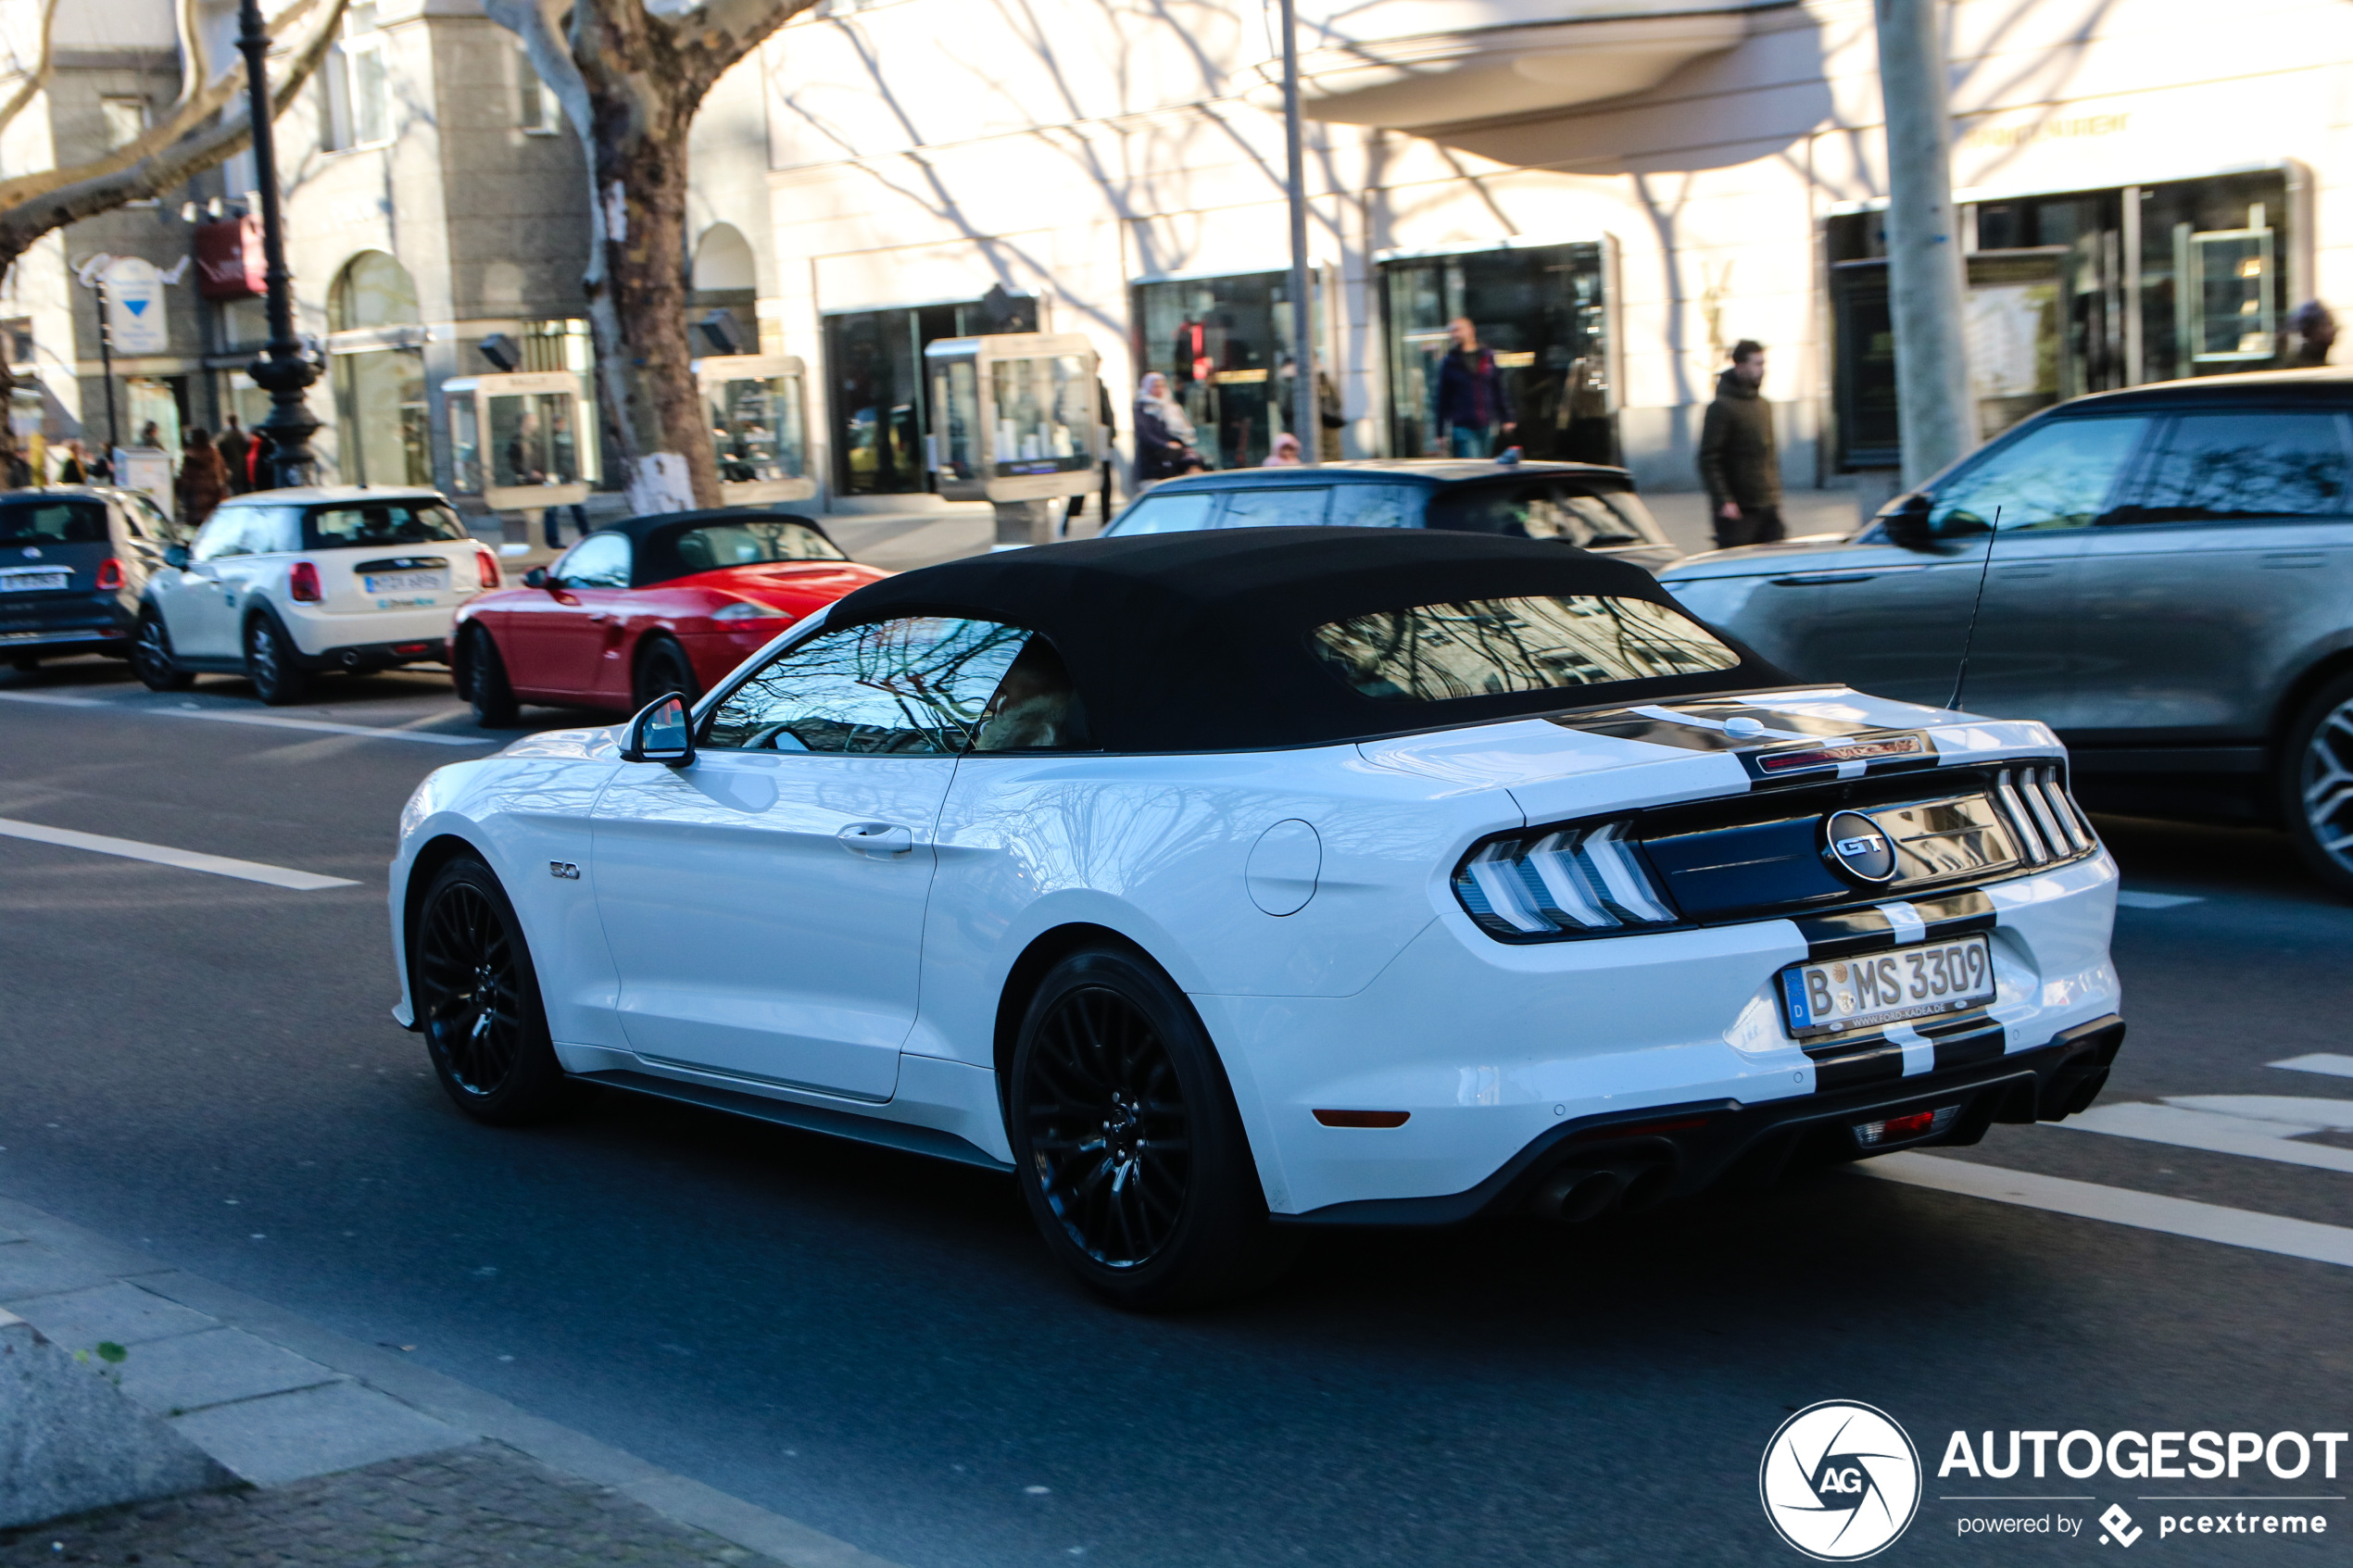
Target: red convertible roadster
(668, 603)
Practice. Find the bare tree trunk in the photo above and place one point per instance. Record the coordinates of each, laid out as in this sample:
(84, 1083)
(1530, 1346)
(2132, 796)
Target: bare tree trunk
(636, 278)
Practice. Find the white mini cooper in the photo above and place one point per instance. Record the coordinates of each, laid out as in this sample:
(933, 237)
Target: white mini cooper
(283, 584)
(1221, 883)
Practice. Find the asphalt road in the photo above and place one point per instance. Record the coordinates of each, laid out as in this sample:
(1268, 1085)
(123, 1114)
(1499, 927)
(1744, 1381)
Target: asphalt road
(877, 1345)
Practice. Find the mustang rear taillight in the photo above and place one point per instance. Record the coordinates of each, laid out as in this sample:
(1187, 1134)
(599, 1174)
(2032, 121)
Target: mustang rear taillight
(110, 575)
(1561, 882)
(302, 583)
(1902, 1129)
(2043, 819)
(486, 569)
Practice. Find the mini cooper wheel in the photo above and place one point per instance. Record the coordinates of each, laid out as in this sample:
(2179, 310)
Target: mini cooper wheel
(1129, 1150)
(2317, 779)
(477, 1000)
(481, 681)
(663, 668)
(151, 656)
(271, 663)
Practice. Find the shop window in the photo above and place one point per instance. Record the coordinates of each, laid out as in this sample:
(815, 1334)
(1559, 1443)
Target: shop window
(1225, 345)
(383, 425)
(1543, 312)
(881, 421)
(125, 120)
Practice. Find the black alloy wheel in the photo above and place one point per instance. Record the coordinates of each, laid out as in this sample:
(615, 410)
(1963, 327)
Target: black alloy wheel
(482, 679)
(663, 668)
(477, 1000)
(1129, 1150)
(151, 656)
(271, 662)
(2318, 779)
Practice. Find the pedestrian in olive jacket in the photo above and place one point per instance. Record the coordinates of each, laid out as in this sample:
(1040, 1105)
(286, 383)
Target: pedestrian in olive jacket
(1739, 461)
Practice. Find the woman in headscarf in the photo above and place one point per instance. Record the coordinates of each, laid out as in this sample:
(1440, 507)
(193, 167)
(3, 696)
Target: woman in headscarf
(1163, 435)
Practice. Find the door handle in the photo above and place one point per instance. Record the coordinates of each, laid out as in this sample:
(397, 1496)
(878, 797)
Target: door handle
(1822, 579)
(874, 840)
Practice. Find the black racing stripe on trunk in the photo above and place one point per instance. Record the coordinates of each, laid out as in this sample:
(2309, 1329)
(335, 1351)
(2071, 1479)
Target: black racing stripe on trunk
(1955, 914)
(1845, 932)
(1851, 1064)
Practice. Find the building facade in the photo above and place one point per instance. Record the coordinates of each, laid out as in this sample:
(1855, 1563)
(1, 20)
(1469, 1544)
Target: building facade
(1613, 192)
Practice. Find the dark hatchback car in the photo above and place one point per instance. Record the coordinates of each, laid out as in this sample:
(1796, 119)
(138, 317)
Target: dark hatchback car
(73, 560)
(2167, 582)
(1579, 504)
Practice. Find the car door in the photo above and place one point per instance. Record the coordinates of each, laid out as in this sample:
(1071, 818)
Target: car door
(268, 537)
(765, 903)
(191, 600)
(2231, 561)
(1998, 578)
(556, 641)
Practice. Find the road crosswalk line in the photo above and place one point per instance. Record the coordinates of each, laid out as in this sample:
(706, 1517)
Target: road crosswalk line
(2121, 1206)
(2319, 1061)
(2207, 1127)
(164, 854)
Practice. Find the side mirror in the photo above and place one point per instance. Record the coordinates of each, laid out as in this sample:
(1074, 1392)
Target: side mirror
(1906, 523)
(176, 556)
(662, 733)
(535, 578)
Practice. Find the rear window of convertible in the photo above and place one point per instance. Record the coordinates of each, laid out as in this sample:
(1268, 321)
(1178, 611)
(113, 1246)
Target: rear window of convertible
(1491, 648)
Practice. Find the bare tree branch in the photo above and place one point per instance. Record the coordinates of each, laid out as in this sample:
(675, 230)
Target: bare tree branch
(44, 66)
(185, 146)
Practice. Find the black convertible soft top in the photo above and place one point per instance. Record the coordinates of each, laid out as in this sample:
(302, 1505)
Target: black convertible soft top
(1200, 641)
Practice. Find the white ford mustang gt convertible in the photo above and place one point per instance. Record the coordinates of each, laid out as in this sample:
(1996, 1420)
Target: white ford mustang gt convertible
(1220, 883)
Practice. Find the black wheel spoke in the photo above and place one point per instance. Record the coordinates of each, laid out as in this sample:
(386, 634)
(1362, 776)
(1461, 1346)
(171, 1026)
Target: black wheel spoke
(1107, 1125)
(471, 989)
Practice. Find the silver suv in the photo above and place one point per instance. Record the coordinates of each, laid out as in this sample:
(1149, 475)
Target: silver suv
(2167, 581)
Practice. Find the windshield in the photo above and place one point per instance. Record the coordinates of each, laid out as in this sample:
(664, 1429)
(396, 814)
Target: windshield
(380, 522)
(750, 544)
(1582, 515)
(1491, 648)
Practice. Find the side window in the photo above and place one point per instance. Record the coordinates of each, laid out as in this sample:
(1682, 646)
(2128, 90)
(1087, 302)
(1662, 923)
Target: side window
(2060, 474)
(1376, 505)
(223, 535)
(2222, 468)
(920, 687)
(1292, 505)
(1036, 707)
(601, 561)
(1179, 513)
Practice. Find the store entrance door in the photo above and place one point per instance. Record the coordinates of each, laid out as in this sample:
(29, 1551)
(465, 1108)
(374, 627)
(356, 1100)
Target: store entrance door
(1544, 312)
(874, 362)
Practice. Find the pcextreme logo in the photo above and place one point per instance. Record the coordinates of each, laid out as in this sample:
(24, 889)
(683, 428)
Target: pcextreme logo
(1840, 1481)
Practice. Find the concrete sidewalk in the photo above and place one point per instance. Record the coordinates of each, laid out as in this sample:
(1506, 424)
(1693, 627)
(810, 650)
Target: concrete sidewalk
(354, 1453)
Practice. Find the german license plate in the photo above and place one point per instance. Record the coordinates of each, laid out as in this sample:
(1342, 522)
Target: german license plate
(1843, 995)
(34, 582)
(404, 582)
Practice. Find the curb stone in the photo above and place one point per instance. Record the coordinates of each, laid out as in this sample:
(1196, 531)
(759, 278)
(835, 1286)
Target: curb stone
(277, 1399)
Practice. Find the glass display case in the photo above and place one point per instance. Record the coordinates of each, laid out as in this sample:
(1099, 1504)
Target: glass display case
(759, 431)
(522, 441)
(1017, 417)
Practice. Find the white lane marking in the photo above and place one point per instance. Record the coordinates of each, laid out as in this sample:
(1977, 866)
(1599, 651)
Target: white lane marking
(2319, 1061)
(164, 854)
(272, 720)
(2305, 1113)
(2133, 899)
(2119, 1206)
(2212, 1132)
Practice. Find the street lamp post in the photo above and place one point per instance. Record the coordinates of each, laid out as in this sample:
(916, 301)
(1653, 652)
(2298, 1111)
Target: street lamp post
(280, 369)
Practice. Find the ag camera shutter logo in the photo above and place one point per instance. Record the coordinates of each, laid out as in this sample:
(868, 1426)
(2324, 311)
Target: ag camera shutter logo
(1840, 1481)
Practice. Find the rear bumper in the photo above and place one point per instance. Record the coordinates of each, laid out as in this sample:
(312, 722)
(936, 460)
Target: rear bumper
(322, 638)
(380, 655)
(81, 639)
(1677, 1151)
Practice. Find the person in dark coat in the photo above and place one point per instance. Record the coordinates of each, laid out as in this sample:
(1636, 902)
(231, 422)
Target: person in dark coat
(1163, 434)
(231, 445)
(1739, 461)
(203, 482)
(1473, 395)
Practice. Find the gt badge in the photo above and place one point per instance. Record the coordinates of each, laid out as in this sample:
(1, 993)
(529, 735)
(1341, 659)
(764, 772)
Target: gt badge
(1854, 844)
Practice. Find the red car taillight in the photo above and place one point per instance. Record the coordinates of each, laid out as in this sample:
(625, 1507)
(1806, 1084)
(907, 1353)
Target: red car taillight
(302, 583)
(110, 575)
(486, 568)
